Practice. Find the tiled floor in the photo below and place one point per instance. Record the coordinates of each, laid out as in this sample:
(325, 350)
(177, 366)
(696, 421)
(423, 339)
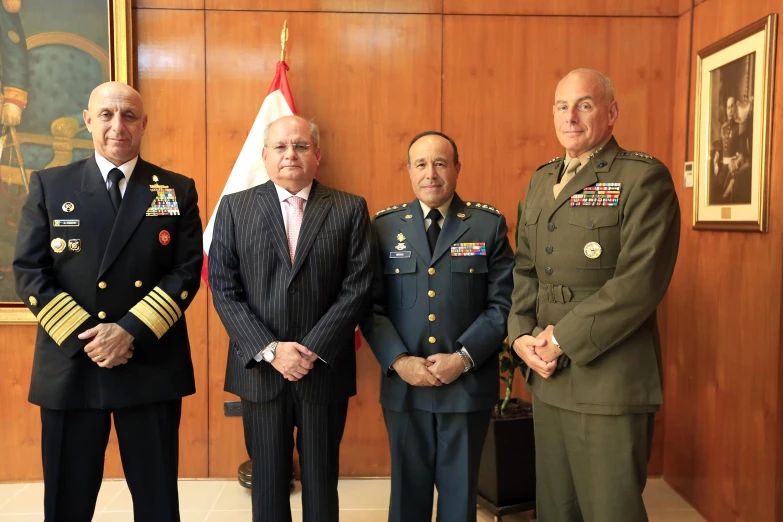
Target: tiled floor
(227, 501)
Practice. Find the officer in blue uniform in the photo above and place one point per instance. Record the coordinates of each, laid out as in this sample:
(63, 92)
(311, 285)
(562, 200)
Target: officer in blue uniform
(441, 296)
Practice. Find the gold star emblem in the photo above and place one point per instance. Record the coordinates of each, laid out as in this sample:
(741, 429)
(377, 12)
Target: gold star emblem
(400, 237)
(460, 215)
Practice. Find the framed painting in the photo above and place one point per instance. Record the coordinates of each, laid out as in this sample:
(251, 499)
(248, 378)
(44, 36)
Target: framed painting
(52, 55)
(734, 88)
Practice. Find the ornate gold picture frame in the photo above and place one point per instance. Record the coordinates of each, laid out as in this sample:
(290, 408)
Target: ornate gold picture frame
(734, 88)
(57, 53)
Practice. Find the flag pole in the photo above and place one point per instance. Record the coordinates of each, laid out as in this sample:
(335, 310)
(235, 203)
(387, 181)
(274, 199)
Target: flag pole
(283, 40)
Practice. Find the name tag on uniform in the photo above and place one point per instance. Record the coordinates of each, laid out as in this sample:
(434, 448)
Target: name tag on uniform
(398, 255)
(65, 223)
(468, 249)
(598, 195)
(165, 202)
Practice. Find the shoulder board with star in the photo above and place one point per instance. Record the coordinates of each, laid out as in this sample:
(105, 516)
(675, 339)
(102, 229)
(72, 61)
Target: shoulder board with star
(392, 209)
(636, 155)
(553, 160)
(482, 206)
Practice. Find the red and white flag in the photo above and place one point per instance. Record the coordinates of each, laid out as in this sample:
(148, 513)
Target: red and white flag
(249, 170)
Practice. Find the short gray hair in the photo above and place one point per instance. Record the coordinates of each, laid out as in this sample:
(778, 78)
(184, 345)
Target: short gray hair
(315, 133)
(607, 87)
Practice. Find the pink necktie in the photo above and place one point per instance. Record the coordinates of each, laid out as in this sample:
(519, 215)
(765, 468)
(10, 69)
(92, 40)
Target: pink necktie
(294, 223)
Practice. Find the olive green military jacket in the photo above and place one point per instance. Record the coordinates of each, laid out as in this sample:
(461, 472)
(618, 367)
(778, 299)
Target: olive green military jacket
(597, 273)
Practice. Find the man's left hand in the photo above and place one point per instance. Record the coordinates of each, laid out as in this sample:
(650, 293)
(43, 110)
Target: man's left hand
(446, 367)
(550, 351)
(111, 345)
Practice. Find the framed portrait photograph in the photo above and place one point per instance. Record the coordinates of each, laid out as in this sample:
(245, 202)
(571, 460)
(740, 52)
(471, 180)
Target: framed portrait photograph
(52, 55)
(734, 87)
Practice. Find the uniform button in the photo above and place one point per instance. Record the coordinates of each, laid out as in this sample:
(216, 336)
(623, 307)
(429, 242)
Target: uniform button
(551, 227)
(431, 271)
(549, 270)
(184, 295)
(549, 249)
(396, 270)
(101, 315)
(431, 293)
(471, 270)
(591, 225)
(431, 317)
(102, 285)
(601, 164)
(432, 340)
(138, 284)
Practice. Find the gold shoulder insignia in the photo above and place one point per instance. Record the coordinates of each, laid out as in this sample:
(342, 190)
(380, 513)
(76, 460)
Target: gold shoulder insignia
(482, 206)
(553, 160)
(391, 209)
(636, 155)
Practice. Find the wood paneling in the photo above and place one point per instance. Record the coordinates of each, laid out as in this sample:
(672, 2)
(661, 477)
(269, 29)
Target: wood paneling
(723, 372)
(613, 8)
(342, 6)
(168, 4)
(369, 98)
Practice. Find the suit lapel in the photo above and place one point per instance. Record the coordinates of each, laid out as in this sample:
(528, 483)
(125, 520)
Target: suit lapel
(318, 206)
(269, 204)
(135, 202)
(453, 228)
(584, 178)
(94, 197)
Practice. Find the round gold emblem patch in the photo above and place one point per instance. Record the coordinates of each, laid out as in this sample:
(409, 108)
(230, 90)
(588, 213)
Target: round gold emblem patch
(58, 245)
(593, 250)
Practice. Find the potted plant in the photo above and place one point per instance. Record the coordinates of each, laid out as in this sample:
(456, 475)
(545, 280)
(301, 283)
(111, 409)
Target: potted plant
(507, 478)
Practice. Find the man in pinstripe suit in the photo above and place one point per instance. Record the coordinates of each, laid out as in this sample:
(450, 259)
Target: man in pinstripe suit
(290, 273)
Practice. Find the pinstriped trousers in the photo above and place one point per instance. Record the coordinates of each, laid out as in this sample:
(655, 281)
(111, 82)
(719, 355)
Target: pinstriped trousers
(269, 437)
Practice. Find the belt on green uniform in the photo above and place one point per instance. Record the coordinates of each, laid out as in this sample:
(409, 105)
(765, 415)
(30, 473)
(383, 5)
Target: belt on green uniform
(563, 294)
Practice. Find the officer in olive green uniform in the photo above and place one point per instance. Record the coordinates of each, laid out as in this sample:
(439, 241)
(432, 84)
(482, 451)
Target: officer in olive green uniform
(441, 299)
(596, 252)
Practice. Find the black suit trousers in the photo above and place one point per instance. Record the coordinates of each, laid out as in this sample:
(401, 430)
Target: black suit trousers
(74, 443)
(269, 436)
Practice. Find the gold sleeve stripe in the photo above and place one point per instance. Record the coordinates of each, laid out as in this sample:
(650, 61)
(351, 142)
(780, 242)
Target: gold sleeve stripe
(150, 317)
(169, 300)
(53, 303)
(163, 305)
(56, 314)
(62, 316)
(161, 309)
(70, 324)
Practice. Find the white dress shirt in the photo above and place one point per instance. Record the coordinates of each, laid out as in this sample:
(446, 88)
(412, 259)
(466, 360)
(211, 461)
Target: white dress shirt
(105, 166)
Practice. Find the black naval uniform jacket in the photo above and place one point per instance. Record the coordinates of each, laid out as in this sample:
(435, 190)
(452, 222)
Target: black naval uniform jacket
(76, 266)
(425, 303)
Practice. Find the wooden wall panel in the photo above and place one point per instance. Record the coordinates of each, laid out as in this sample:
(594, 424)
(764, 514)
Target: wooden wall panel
(723, 450)
(498, 105)
(168, 4)
(612, 8)
(347, 72)
(344, 6)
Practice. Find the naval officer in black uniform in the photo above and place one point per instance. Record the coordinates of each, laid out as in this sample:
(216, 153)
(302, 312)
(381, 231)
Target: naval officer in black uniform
(442, 293)
(108, 257)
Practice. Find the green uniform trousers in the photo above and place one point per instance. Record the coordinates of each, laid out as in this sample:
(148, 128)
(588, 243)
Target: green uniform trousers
(589, 467)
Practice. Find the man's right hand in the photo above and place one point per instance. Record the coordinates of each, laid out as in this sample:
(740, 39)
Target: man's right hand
(290, 360)
(413, 370)
(525, 346)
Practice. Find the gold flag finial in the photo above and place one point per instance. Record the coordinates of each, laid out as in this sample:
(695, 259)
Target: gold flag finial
(283, 40)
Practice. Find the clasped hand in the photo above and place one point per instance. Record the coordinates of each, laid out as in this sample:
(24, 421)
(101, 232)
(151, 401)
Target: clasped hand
(293, 360)
(435, 370)
(539, 353)
(111, 345)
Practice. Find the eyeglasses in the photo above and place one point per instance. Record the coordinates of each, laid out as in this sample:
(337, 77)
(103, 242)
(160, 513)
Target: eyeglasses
(299, 148)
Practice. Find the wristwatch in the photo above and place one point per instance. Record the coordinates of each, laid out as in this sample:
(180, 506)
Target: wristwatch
(269, 352)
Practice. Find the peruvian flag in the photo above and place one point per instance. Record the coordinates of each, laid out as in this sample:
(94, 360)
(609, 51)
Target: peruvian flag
(249, 170)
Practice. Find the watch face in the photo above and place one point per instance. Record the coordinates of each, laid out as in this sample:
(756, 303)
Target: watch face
(269, 355)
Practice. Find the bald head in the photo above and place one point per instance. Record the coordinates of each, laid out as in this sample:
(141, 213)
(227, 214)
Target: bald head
(291, 153)
(315, 133)
(115, 117)
(603, 82)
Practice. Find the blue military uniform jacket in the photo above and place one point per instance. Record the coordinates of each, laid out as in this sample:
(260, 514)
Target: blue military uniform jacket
(425, 303)
(76, 266)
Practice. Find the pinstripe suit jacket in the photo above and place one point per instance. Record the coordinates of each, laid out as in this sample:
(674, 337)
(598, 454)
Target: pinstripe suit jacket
(316, 301)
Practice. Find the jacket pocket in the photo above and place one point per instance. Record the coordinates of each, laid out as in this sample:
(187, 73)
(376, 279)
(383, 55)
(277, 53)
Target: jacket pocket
(469, 281)
(600, 232)
(400, 276)
(531, 230)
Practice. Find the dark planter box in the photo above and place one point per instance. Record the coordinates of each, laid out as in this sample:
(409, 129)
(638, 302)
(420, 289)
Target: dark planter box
(507, 474)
